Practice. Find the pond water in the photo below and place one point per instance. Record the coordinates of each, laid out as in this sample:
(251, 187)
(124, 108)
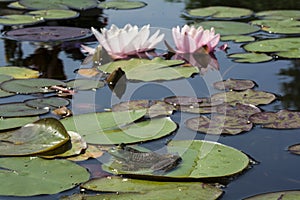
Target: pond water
(276, 169)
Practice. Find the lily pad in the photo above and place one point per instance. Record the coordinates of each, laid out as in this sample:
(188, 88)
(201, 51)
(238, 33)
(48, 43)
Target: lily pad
(15, 122)
(20, 110)
(294, 53)
(54, 14)
(41, 176)
(220, 12)
(234, 84)
(92, 151)
(19, 72)
(219, 124)
(50, 102)
(85, 84)
(48, 33)
(279, 14)
(126, 188)
(238, 38)
(88, 72)
(29, 86)
(34, 138)
(250, 57)
(151, 70)
(200, 159)
(283, 195)
(183, 100)
(295, 149)
(154, 108)
(248, 96)
(228, 27)
(5, 94)
(283, 119)
(59, 4)
(286, 26)
(239, 110)
(10, 20)
(121, 4)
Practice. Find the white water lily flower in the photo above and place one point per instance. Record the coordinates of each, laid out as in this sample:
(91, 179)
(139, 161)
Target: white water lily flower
(121, 42)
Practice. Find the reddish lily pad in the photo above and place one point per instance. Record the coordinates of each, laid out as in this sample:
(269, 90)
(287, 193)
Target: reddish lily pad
(48, 33)
(234, 84)
(219, 124)
(283, 119)
(295, 149)
(183, 100)
(50, 102)
(239, 110)
(154, 108)
(20, 110)
(248, 96)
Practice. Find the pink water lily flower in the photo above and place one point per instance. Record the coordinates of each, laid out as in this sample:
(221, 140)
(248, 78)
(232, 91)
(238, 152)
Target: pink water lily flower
(130, 40)
(190, 40)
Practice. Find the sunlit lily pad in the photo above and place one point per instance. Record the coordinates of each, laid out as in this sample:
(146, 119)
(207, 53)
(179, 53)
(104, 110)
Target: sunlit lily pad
(54, 14)
(126, 188)
(154, 108)
(34, 138)
(15, 122)
(219, 124)
(59, 4)
(15, 5)
(20, 110)
(19, 20)
(234, 84)
(121, 4)
(248, 96)
(286, 26)
(279, 14)
(283, 119)
(280, 45)
(88, 72)
(283, 195)
(50, 102)
(220, 12)
(151, 70)
(200, 159)
(295, 149)
(85, 84)
(92, 151)
(19, 72)
(27, 176)
(294, 53)
(238, 38)
(228, 27)
(28, 86)
(48, 33)
(250, 57)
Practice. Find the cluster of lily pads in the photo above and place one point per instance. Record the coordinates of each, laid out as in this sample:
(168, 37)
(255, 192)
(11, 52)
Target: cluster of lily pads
(33, 147)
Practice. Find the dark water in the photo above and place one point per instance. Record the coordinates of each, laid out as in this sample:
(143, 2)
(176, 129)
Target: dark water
(277, 168)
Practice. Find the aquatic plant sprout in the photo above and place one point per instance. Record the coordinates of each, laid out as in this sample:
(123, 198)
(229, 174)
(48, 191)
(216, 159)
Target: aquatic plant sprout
(130, 40)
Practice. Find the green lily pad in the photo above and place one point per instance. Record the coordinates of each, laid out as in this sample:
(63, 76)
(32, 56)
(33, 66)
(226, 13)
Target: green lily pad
(29, 86)
(228, 27)
(85, 84)
(48, 33)
(19, 72)
(250, 57)
(220, 12)
(121, 4)
(54, 14)
(279, 14)
(282, 46)
(154, 108)
(15, 122)
(50, 102)
(283, 195)
(286, 26)
(151, 70)
(200, 159)
(283, 119)
(238, 38)
(20, 110)
(248, 96)
(35, 176)
(10, 20)
(59, 4)
(15, 5)
(294, 53)
(219, 124)
(295, 149)
(127, 188)
(118, 127)
(234, 84)
(34, 138)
